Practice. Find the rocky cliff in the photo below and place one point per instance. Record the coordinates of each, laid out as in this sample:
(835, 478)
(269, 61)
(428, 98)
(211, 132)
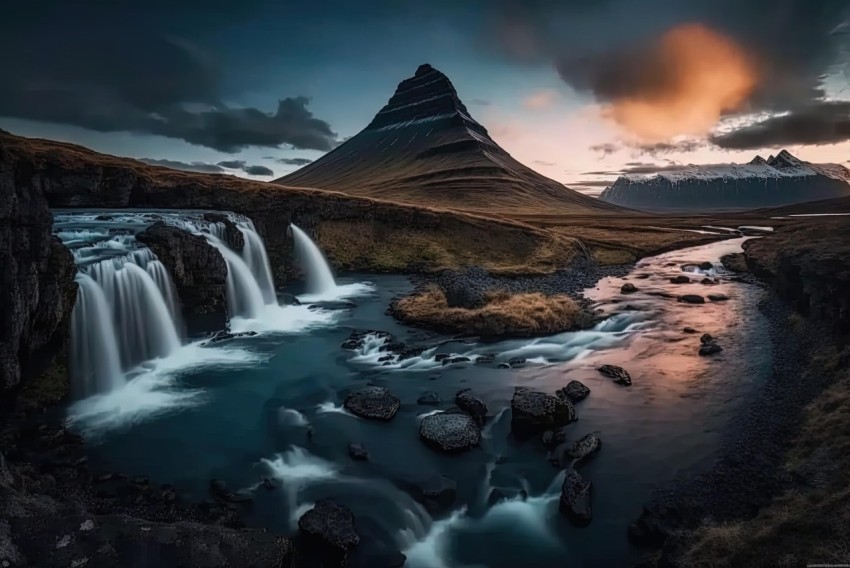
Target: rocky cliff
(809, 266)
(37, 288)
(199, 273)
(355, 233)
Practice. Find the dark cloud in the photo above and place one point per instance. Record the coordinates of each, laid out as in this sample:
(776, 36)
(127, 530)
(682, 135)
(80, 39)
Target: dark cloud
(659, 148)
(590, 183)
(248, 169)
(606, 149)
(185, 166)
(294, 161)
(119, 68)
(823, 123)
(543, 163)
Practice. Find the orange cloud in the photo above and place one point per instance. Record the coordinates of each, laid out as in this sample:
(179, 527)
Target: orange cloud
(540, 100)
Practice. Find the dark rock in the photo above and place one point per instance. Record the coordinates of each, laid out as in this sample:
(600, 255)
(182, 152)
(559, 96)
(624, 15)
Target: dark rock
(499, 494)
(453, 360)
(735, 262)
(718, 297)
(461, 290)
(619, 374)
(225, 335)
(709, 349)
(708, 281)
(689, 330)
(574, 391)
(449, 431)
(706, 339)
(429, 397)
(357, 452)
(375, 403)
(551, 439)
(706, 265)
(471, 405)
(485, 359)
(394, 559)
(533, 412)
(681, 279)
(585, 448)
(441, 357)
(628, 288)
(654, 526)
(198, 271)
(329, 531)
(576, 497)
(692, 299)
(516, 362)
(437, 493)
(233, 237)
(503, 366)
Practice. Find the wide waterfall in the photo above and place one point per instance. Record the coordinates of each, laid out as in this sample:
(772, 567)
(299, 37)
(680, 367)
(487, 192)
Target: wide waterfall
(316, 270)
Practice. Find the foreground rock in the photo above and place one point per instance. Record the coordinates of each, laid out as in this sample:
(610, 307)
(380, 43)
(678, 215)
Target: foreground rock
(619, 374)
(472, 405)
(681, 279)
(585, 448)
(374, 403)
(198, 271)
(533, 412)
(576, 497)
(437, 493)
(329, 532)
(449, 431)
(461, 290)
(574, 391)
(708, 345)
(363, 339)
(628, 288)
(692, 299)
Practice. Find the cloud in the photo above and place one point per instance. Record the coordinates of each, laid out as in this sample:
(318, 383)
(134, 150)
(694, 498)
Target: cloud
(590, 183)
(607, 148)
(540, 100)
(80, 66)
(248, 169)
(826, 122)
(294, 161)
(185, 166)
(480, 102)
(543, 163)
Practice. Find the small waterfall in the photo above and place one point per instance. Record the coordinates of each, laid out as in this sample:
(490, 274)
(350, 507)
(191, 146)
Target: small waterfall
(315, 267)
(95, 363)
(244, 296)
(254, 255)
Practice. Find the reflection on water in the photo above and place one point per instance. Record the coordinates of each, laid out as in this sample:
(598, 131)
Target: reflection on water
(283, 417)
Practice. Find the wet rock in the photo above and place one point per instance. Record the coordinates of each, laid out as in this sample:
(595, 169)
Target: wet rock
(374, 403)
(576, 496)
(709, 349)
(441, 357)
(706, 265)
(453, 360)
(718, 297)
(429, 397)
(692, 299)
(225, 335)
(449, 431)
(736, 262)
(585, 448)
(708, 281)
(357, 452)
(437, 493)
(689, 330)
(233, 237)
(642, 276)
(499, 494)
(359, 338)
(628, 288)
(470, 404)
(574, 391)
(485, 359)
(681, 279)
(461, 290)
(516, 362)
(329, 531)
(503, 366)
(619, 374)
(534, 411)
(706, 339)
(551, 439)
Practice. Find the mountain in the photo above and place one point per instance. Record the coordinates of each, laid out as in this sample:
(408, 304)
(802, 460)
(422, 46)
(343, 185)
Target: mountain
(424, 147)
(780, 180)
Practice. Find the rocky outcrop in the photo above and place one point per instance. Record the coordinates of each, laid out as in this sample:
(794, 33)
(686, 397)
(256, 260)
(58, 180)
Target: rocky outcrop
(619, 374)
(574, 391)
(575, 501)
(534, 412)
(471, 405)
(449, 431)
(198, 271)
(329, 533)
(374, 403)
(37, 289)
(233, 237)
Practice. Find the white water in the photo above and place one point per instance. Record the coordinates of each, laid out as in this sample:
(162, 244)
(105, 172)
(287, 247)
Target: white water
(95, 362)
(254, 254)
(244, 296)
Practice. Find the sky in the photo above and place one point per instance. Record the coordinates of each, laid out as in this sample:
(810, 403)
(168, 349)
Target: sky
(580, 90)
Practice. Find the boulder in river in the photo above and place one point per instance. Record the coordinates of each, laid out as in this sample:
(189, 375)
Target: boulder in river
(706, 338)
(437, 493)
(692, 299)
(471, 405)
(718, 297)
(329, 531)
(585, 448)
(574, 391)
(375, 403)
(619, 374)
(449, 431)
(357, 452)
(628, 288)
(709, 349)
(576, 496)
(689, 330)
(681, 279)
(534, 411)
(485, 359)
(706, 265)
(517, 362)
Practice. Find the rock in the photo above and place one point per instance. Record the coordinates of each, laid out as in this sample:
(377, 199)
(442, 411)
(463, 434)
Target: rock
(706, 265)
(471, 405)
(516, 362)
(551, 439)
(441, 357)
(628, 288)
(689, 330)
(449, 431)
(709, 349)
(485, 359)
(503, 366)
(461, 291)
(585, 448)
(574, 391)
(681, 279)
(225, 335)
(329, 531)
(534, 411)
(453, 360)
(437, 493)
(218, 488)
(718, 297)
(233, 237)
(576, 497)
(198, 271)
(706, 339)
(429, 397)
(374, 403)
(692, 299)
(654, 526)
(735, 262)
(394, 559)
(357, 452)
(619, 374)
(499, 494)
(359, 338)
(708, 281)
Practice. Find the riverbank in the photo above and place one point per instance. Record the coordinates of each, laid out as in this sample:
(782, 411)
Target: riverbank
(778, 494)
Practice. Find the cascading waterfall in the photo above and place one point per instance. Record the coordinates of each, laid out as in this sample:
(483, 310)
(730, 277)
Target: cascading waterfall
(320, 280)
(95, 362)
(244, 296)
(254, 254)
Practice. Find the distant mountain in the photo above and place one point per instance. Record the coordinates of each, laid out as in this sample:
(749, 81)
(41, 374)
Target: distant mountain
(780, 180)
(423, 147)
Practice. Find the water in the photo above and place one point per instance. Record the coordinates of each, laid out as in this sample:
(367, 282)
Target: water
(317, 273)
(278, 412)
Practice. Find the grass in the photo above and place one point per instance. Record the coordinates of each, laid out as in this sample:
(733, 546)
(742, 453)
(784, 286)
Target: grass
(504, 314)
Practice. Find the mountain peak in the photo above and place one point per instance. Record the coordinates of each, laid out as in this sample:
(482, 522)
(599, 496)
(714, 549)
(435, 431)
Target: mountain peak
(423, 69)
(759, 161)
(785, 159)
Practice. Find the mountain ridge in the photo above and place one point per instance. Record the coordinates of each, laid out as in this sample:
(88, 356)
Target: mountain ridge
(424, 147)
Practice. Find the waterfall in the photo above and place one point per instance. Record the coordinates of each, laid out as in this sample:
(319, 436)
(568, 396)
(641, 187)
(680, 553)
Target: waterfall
(254, 255)
(315, 267)
(244, 296)
(95, 364)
